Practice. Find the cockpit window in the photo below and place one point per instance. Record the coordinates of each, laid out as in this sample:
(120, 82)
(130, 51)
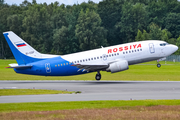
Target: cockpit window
(163, 44)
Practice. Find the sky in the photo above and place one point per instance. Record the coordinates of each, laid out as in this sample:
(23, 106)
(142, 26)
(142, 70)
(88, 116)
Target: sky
(66, 2)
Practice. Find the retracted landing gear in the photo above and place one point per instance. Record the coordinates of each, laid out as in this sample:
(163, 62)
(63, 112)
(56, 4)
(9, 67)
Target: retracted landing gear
(98, 76)
(158, 65)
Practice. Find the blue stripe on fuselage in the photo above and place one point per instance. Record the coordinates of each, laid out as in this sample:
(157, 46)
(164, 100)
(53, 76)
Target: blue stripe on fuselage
(58, 66)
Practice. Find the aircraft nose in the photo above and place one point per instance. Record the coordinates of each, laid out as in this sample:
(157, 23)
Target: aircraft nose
(174, 48)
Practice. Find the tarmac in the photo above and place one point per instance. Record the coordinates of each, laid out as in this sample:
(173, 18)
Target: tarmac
(93, 90)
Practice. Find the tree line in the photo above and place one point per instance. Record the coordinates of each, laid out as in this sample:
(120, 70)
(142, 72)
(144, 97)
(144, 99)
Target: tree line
(62, 29)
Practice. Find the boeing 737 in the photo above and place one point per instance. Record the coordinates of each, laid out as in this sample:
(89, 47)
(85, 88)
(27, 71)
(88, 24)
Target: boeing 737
(111, 59)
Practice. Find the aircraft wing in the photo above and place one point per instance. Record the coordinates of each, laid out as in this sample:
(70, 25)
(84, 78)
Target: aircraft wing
(94, 67)
(90, 67)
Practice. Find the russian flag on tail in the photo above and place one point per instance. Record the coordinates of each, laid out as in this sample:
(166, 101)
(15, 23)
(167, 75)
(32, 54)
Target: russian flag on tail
(21, 45)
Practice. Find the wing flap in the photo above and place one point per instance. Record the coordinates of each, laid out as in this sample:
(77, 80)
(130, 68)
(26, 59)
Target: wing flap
(91, 67)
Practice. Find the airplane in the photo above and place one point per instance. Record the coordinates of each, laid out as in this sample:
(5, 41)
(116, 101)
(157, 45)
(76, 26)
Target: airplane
(111, 59)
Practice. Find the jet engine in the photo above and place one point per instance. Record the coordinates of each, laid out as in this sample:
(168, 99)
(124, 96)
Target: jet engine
(118, 66)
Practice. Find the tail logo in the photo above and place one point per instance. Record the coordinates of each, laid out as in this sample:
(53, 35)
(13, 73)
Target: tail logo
(21, 45)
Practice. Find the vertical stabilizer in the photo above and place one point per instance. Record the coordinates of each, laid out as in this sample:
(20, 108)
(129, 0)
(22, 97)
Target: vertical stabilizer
(21, 50)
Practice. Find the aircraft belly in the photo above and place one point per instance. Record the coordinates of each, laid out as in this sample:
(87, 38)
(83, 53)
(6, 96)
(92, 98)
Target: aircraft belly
(131, 62)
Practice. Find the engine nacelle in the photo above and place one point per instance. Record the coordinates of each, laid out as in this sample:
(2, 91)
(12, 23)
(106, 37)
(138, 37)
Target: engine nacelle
(118, 66)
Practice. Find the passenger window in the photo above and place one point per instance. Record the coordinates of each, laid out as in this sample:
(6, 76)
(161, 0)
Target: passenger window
(112, 54)
(129, 51)
(80, 60)
(132, 51)
(55, 65)
(66, 63)
(109, 55)
(77, 61)
(117, 53)
(137, 49)
(91, 58)
(123, 52)
(94, 58)
(126, 52)
(100, 56)
(97, 57)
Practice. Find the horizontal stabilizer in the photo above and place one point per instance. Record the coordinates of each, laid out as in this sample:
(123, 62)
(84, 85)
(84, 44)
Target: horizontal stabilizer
(19, 66)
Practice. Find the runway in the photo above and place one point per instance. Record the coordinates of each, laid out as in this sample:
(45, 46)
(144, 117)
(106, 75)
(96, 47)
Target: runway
(93, 90)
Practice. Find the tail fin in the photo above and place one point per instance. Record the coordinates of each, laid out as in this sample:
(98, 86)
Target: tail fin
(22, 51)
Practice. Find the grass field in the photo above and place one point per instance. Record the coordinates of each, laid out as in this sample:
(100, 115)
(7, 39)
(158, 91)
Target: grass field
(6, 92)
(120, 113)
(51, 106)
(141, 72)
(98, 110)
(93, 110)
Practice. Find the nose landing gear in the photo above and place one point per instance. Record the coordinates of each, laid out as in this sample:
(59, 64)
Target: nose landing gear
(158, 65)
(98, 76)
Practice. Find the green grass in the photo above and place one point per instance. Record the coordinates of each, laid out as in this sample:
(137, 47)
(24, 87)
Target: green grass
(51, 106)
(143, 72)
(5, 92)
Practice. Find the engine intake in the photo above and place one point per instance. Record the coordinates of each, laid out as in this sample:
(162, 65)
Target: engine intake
(118, 66)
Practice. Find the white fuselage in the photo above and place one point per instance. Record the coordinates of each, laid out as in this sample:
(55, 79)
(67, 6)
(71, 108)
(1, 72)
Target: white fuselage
(136, 52)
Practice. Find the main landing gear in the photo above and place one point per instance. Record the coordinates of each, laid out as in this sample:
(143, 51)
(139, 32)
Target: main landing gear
(98, 76)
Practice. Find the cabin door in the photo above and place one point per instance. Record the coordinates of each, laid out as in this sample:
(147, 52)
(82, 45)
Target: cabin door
(151, 48)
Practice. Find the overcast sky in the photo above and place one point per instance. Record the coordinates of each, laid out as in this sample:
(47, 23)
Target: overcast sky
(66, 2)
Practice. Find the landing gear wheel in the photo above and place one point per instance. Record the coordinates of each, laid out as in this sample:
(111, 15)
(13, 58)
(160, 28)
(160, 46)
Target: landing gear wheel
(158, 65)
(98, 76)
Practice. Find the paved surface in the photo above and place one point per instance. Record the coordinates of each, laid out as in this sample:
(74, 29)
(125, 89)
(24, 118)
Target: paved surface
(93, 90)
